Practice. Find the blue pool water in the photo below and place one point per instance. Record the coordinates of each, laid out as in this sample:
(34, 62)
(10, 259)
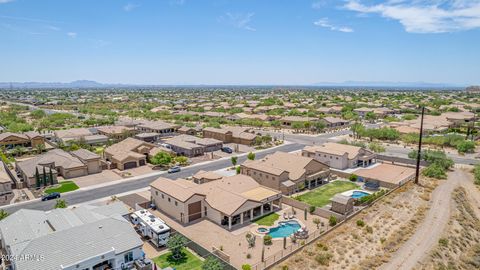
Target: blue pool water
(359, 194)
(284, 229)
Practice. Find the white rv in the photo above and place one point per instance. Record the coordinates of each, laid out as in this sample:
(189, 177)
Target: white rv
(151, 226)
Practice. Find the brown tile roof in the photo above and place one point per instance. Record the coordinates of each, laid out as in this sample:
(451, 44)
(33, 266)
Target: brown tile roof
(225, 195)
(281, 162)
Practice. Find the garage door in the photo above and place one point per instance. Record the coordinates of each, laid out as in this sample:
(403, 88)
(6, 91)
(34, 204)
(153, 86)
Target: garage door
(194, 211)
(130, 165)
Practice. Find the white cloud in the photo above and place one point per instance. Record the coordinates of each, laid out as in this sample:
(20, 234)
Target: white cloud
(319, 4)
(241, 21)
(6, 1)
(72, 34)
(425, 16)
(324, 22)
(129, 7)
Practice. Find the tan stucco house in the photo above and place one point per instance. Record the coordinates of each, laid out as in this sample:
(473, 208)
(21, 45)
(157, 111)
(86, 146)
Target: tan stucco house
(340, 156)
(286, 172)
(227, 202)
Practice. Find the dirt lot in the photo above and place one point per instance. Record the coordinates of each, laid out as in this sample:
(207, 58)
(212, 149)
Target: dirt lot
(459, 248)
(387, 224)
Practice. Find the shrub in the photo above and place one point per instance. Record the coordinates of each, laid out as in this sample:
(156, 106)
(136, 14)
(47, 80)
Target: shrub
(311, 209)
(249, 256)
(466, 146)
(476, 174)
(267, 240)
(321, 246)
(285, 267)
(360, 223)
(246, 267)
(332, 220)
(353, 177)
(324, 258)
(435, 171)
(443, 242)
(369, 229)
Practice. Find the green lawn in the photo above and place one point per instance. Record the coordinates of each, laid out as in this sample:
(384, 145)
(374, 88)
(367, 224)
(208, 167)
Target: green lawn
(188, 262)
(267, 220)
(65, 186)
(321, 196)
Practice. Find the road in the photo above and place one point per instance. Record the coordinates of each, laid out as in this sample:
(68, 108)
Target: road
(81, 196)
(432, 227)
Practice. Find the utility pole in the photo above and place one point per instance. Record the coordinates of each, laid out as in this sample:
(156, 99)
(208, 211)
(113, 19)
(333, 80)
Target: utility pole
(419, 152)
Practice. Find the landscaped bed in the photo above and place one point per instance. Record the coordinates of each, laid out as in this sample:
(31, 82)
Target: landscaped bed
(189, 261)
(64, 186)
(267, 220)
(321, 196)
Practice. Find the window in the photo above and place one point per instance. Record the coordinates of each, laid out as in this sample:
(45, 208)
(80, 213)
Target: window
(163, 197)
(176, 203)
(156, 192)
(128, 257)
(169, 199)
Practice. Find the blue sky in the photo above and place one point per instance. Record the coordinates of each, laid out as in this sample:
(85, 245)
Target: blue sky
(240, 41)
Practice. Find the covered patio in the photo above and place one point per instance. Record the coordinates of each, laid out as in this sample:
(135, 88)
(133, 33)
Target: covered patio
(258, 210)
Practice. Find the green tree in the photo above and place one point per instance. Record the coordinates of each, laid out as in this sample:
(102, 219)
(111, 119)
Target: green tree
(238, 169)
(212, 263)
(332, 220)
(50, 174)
(175, 244)
(181, 160)
(466, 146)
(37, 178)
(161, 158)
(3, 214)
(234, 160)
(60, 203)
(251, 156)
(44, 177)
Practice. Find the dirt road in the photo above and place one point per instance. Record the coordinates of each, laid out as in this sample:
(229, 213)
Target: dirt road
(429, 232)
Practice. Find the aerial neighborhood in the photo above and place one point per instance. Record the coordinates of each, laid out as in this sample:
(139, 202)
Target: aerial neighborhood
(242, 180)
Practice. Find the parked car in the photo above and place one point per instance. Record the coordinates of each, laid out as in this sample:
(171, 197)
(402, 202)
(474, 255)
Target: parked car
(51, 196)
(174, 169)
(227, 150)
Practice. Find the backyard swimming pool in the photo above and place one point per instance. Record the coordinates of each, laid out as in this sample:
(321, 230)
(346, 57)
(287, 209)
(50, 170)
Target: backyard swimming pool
(358, 194)
(284, 229)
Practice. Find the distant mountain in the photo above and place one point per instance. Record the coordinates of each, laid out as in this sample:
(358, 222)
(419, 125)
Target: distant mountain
(74, 84)
(389, 84)
(93, 84)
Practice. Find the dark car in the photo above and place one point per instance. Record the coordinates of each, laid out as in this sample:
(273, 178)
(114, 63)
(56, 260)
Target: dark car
(51, 196)
(174, 169)
(227, 150)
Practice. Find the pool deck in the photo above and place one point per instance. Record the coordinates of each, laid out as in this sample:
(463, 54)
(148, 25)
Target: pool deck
(349, 193)
(209, 234)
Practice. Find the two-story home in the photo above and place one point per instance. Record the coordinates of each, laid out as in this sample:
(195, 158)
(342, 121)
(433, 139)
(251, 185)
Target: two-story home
(340, 156)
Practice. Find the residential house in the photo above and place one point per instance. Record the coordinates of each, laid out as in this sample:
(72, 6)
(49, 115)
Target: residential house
(187, 130)
(340, 156)
(191, 146)
(29, 139)
(160, 127)
(334, 122)
(116, 133)
(71, 239)
(127, 154)
(287, 121)
(286, 172)
(59, 162)
(6, 185)
(92, 160)
(227, 202)
(238, 135)
(84, 135)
